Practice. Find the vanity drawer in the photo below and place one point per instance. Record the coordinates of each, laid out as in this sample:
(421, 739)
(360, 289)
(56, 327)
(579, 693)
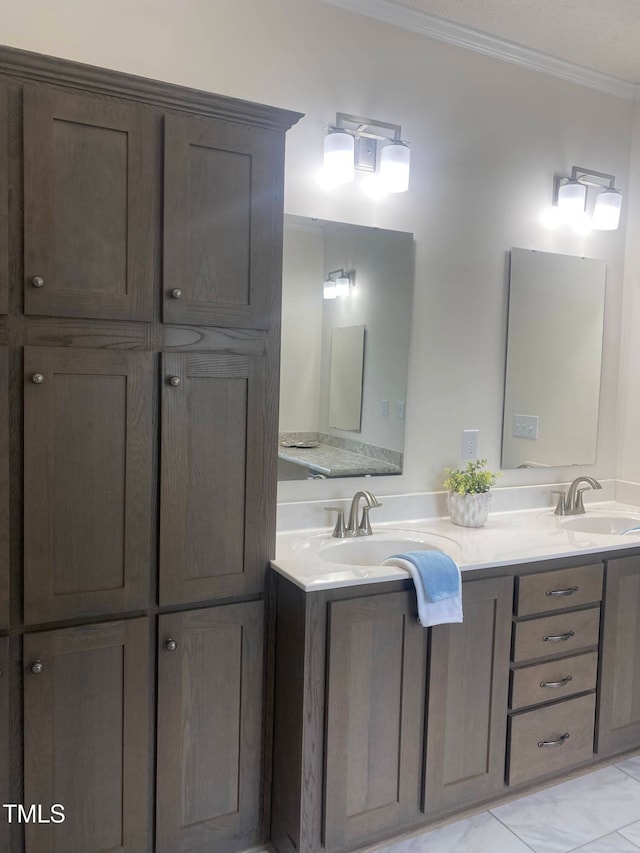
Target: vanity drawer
(555, 679)
(539, 593)
(551, 738)
(561, 633)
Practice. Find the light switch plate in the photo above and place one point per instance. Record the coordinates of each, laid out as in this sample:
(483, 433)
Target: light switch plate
(525, 426)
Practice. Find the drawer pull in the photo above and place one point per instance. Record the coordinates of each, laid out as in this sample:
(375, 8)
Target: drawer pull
(557, 683)
(563, 738)
(569, 591)
(558, 638)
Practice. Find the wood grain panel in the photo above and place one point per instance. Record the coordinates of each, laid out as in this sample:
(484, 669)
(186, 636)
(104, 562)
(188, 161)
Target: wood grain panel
(42, 331)
(564, 633)
(4, 203)
(209, 729)
(193, 338)
(86, 736)
(467, 699)
(376, 675)
(212, 536)
(222, 223)
(557, 590)
(553, 680)
(4, 739)
(89, 197)
(88, 463)
(550, 739)
(4, 489)
(619, 694)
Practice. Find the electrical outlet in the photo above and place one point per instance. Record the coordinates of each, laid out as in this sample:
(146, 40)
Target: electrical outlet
(525, 426)
(469, 445)
(384, 408)
(400, 409)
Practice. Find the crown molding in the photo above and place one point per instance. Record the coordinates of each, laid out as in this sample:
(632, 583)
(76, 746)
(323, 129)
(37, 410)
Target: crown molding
(409, 18)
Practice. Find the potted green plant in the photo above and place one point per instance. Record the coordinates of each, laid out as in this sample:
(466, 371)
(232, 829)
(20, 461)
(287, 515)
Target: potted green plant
(468, 496)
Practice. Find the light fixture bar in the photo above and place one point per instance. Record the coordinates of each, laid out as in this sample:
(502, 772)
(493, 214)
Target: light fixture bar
(594, 179)
(363, 126)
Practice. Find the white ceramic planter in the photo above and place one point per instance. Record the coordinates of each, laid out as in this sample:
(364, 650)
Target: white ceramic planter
(469, 510)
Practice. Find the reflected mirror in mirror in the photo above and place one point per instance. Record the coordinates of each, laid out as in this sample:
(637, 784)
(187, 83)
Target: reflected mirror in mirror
(342, 406)
(554, 360)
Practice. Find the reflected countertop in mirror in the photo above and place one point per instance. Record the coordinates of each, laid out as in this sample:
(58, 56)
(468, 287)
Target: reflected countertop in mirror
(344, 360)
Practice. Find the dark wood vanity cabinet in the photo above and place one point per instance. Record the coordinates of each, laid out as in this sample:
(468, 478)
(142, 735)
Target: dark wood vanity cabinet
(210, 710)
(86, 736)
(88, 201)
(4, 203)
(619, 689)
(467, 699)
(4, 489)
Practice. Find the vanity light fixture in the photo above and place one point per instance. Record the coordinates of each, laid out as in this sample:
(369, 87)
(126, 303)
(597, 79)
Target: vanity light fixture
(338, 283)
(570, 197)
(366, 145)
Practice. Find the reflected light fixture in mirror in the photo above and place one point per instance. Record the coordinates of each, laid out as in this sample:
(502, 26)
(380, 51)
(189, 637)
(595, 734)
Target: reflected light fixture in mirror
(338, 283)
(570, 197)
(357, 143)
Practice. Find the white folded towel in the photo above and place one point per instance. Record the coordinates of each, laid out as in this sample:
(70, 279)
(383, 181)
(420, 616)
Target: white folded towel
(430, 612)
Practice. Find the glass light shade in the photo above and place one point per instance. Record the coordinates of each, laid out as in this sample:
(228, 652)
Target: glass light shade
(572, 197)
(342, 285)
(329, 289)
(338, 157)
(394, 167)
(606, 211)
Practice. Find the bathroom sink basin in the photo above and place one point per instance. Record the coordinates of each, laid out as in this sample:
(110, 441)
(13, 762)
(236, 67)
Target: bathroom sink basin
(608, 524)
(373, 550)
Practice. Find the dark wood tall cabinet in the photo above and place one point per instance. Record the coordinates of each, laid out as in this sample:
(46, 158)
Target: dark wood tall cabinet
(140, 255)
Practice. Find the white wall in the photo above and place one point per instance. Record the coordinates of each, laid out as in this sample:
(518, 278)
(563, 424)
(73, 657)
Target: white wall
(487, 138)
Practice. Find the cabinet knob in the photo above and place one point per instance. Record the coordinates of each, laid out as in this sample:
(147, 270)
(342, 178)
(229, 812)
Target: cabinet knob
(175, 381)
(176, 293)
(37, 378)
(37, 281)
(171, 645)
(37, 667)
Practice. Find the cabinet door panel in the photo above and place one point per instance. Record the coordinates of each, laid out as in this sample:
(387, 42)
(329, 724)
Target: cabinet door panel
(209, 729)
(86, 736)
(216, 503)
(467, 705)
(223, 212)
(619, 700)
(4, 204)
(376, 675)
(4, 490)
(4, 739)
(88, 461)
(89, 198)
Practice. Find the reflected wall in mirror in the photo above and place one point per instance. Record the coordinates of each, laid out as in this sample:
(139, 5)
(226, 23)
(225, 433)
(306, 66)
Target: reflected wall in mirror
(345, 379)
(554, 360)
(381, 264)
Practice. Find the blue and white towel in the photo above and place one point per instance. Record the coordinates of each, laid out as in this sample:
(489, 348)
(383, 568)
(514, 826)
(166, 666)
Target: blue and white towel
(438, 585)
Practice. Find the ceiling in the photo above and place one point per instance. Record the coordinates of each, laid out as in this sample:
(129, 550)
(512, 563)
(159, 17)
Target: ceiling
(601, 35)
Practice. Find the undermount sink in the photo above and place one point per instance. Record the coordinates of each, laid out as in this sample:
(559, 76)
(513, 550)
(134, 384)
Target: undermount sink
(614, 524)
(373, 550)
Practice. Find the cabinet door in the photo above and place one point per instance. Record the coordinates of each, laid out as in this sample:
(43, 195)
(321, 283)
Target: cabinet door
(4, 204)
(89, 199)
(88, 463)
(374, 730)
(86, 738)
(619, 694)
(209, 729)
(217, 477)
(4, 740)
(222, 223)
(4, 490)
(467, 704)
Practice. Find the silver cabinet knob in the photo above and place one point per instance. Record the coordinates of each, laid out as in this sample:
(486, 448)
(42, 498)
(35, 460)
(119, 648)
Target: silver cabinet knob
(171, 645)
(175, 381)
(37, 378)
(37, 281)
(37, 667)
(176, 293)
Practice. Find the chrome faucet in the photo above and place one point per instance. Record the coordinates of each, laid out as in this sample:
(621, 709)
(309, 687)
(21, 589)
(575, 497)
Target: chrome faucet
(570, 503)
(353, 526)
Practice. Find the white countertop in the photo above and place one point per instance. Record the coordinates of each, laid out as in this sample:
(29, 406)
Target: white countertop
(506, 539)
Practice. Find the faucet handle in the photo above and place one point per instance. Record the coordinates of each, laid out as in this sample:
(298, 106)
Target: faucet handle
(578, 508)
(561, 506)
(339, 531)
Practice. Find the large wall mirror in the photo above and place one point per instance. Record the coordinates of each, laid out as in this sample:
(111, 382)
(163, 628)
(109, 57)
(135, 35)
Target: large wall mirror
(344, 359)
(554, 360)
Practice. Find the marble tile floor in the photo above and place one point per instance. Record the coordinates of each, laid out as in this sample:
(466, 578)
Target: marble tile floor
(595, 813)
